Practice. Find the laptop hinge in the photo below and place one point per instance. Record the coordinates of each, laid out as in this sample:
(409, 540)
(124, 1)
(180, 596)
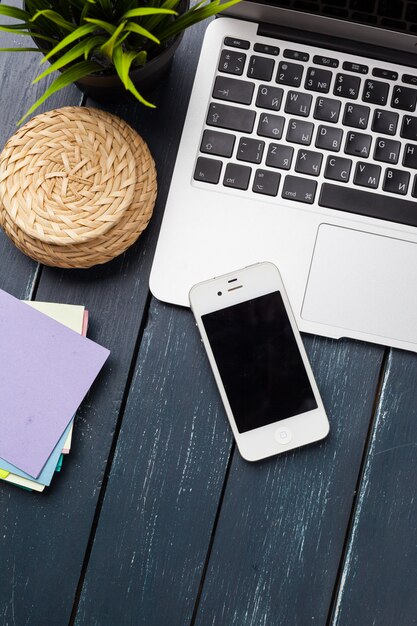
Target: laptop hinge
(334, 43)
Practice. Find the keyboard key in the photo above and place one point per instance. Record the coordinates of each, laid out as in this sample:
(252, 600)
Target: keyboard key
(387, 8)
(375, 92)
(387, 150)
(220, 144)
(338, 168)
(266, 182)
(410, 156)
(358, 144)
(232, 62)
(414, 190)
(232, 118)
(270, 125)
(237, 176)
(409, 128)
(299, 189)
(381, 73)
(260, 68)
(379, 206)
(328, 61)
(318, 80)
(404, 98)
(233, 90)
(289, 74)
(347, 86)
(300, 132)
(298, 103)
(367, 175)
(236, 43)
(355, 67)
(327, 110)
(269, 97)
(296, 55)
(250, 150)
(265, 49)
(207, 170)
(329, 138)
(409, 79)
(385, 122)
(396, 181)
(279, 156)
(356, 115)
(308, 162)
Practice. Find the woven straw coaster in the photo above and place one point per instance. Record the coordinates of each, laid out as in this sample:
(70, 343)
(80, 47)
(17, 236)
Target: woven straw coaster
(77, 187)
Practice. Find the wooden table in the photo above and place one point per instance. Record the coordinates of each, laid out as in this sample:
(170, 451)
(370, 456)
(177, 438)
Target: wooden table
(155, 519)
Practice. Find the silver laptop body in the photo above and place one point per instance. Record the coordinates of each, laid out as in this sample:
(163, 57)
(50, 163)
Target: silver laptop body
(300, 148)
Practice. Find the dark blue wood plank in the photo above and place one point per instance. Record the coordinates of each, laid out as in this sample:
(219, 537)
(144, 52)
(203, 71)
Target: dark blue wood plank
(379, 577)
(282, 526)
(283, 523)
(17, 272)
(54, 528)
(164, 487)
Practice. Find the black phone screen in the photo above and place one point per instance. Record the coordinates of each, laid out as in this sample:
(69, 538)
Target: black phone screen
(259, 362)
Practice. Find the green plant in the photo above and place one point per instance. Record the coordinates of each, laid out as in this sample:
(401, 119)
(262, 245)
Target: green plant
(84, 37)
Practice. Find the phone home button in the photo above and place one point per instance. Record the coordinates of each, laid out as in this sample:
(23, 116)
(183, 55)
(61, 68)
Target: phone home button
(283, 435)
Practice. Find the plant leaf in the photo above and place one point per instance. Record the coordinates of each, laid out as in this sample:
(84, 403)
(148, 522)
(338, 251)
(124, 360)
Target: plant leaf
(131, 87)
(148, 11)
(66, 78)
(109, 28)
(106, 5)
(135, 28)
(17, 31)
(152, 21)
(108, 47)
(82, 31)
(20, 50)
(122, 63)
(17, 14)
(54, 17)
(83, 48)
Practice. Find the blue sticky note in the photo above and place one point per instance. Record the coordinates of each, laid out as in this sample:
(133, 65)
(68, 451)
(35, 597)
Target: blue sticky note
(48, 470)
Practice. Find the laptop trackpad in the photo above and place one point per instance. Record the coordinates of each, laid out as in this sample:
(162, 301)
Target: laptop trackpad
(363, 282)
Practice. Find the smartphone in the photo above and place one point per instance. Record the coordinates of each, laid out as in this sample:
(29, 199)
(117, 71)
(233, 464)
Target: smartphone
(259, 361)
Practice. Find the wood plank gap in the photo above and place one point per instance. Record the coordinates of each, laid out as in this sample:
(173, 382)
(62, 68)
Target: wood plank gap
(338, 580)
(33, 288)
(213, 533)
(110, 458)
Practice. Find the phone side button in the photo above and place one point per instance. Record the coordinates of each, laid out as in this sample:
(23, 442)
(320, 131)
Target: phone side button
(283, 435)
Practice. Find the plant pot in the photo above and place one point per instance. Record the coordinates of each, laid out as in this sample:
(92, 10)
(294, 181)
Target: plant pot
(109, 88)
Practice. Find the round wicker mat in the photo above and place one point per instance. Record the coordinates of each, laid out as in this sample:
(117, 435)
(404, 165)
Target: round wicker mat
(77, 187)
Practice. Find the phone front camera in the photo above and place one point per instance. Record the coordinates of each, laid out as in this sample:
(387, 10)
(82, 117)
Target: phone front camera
(219, 293)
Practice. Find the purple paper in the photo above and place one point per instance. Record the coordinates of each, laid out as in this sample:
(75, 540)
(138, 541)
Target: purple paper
(46, 370)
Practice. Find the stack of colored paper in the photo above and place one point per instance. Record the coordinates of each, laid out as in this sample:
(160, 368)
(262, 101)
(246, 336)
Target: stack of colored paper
(46, 368)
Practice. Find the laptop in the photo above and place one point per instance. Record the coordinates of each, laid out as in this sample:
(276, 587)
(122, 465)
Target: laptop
(300, 148)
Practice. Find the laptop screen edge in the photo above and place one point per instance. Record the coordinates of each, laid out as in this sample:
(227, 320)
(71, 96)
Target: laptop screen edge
(320, 24)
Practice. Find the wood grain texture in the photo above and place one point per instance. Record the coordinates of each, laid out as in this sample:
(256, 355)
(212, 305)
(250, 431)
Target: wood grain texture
(378, 583)
(54, 528)
(282, 527)
(21, 536)
(17, 272)
(164, 486)
(150, 512)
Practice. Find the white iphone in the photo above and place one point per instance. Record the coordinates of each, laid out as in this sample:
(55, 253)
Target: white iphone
(259, 361)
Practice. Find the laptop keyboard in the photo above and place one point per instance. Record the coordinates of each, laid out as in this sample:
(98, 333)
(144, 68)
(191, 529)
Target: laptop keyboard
(310, 129)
